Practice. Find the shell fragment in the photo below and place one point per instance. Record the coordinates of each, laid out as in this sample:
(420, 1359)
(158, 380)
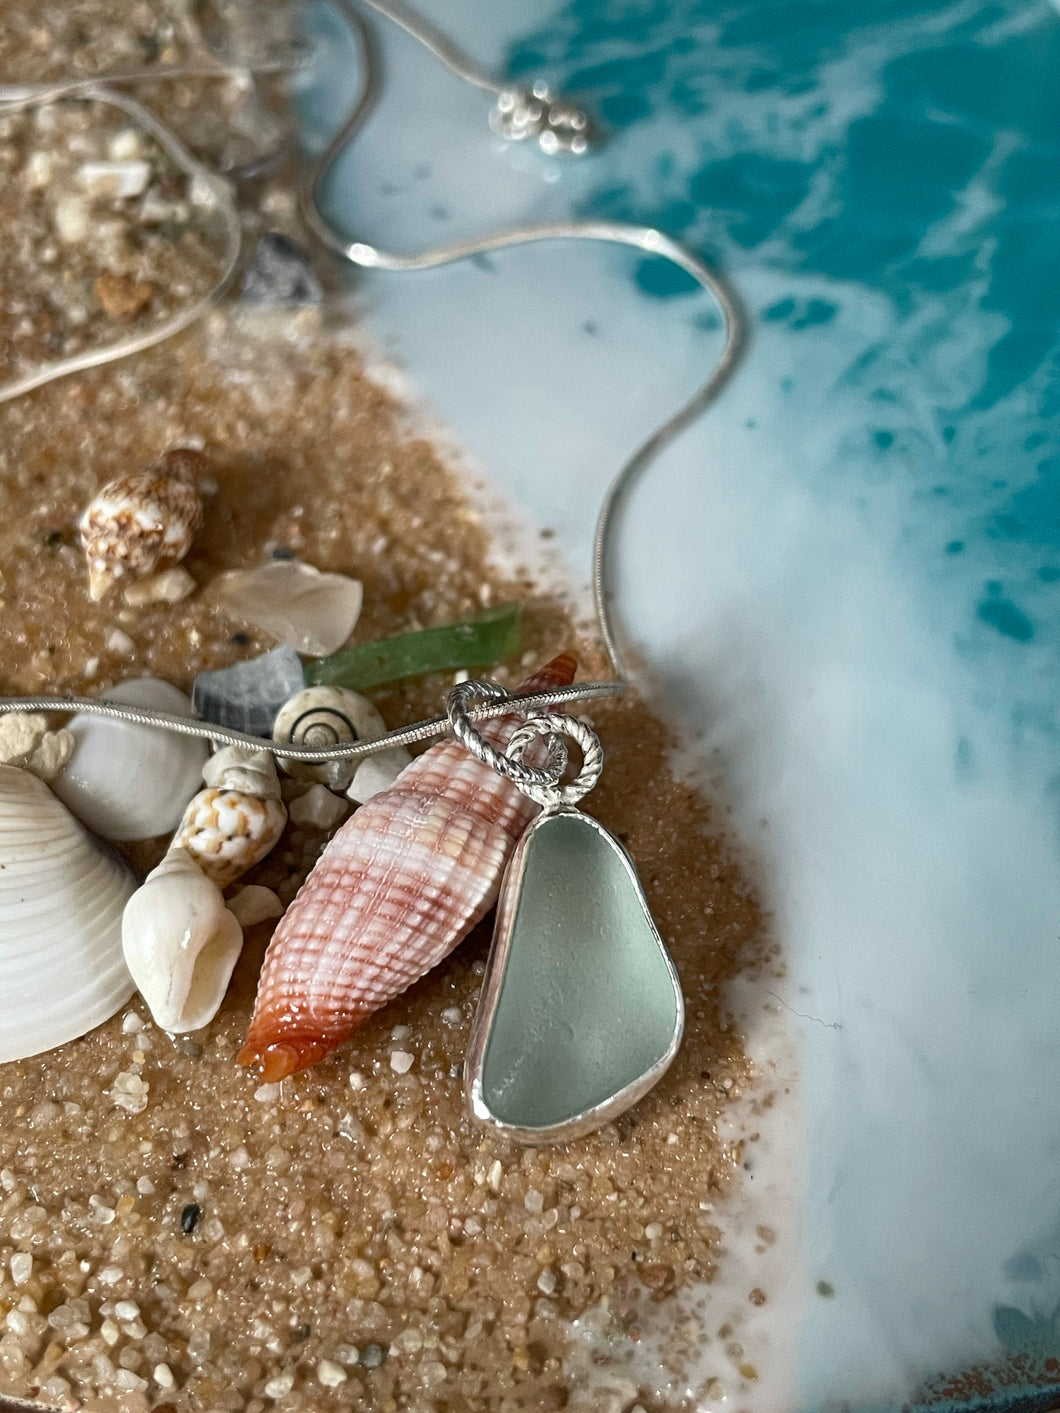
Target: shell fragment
(295, 603)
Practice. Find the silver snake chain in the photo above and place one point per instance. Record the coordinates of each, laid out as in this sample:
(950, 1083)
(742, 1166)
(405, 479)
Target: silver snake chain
(559, 128)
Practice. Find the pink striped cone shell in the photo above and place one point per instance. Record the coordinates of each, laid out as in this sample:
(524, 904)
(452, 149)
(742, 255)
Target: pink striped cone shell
(401, 883)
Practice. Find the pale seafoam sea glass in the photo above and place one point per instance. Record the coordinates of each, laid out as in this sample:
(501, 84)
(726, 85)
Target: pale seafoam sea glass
(582, 1010)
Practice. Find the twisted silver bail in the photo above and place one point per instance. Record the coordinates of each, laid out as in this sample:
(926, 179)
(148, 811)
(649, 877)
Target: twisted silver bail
(539, 784)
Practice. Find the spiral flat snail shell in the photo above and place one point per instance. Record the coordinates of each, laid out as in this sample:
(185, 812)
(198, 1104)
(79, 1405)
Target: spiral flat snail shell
(180, 943)
(131, 782)
(228, 827)
(61, 901)
(328, 716)
(137, 523)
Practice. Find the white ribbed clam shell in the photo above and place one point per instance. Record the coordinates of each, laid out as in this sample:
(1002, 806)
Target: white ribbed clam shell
(132, 782)
(181, 943)
(61, 901)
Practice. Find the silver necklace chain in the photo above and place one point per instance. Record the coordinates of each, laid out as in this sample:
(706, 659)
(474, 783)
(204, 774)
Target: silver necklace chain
(559, 127)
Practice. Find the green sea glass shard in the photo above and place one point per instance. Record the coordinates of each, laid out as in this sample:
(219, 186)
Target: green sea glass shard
(581, 1008)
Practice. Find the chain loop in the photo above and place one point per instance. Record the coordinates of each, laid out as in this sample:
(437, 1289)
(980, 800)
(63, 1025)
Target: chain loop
(540, 784)
(525, 777)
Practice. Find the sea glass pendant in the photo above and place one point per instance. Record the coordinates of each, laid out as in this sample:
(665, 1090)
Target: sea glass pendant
(581, 1010)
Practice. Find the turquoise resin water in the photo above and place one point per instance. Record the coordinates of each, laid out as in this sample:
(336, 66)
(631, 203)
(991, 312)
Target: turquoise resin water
(845, 578)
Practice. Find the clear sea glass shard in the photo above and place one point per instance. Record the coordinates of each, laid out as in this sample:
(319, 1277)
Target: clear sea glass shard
(581, 1009)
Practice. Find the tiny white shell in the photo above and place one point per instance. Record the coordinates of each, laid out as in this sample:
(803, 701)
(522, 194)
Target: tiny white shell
(61, 901)
(132, 782)
(326, 716)
(181, 943)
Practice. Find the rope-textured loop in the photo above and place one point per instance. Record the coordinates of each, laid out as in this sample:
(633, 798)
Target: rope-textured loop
(553, 727)
(525, 777)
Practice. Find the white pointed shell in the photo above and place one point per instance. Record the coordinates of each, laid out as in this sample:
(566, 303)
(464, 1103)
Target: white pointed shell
(326, 716)
(61, 900)
(138, 522)
(181, 943)
(230, 826)
(132, 782)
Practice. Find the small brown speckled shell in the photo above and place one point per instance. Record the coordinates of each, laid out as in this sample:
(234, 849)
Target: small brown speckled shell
(398, 887)
(137, 523)
(233, 823)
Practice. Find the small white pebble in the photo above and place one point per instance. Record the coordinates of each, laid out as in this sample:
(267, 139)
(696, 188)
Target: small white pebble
(331, 1374)
(125, 145)
(114, 180)
(239, 1158)
(350, 1126)
(38, 170)
(132, 1383)
(99, 1212)
(198, 1346)
(318, 808)
(281, 1385)
(254, 904)
(145, 1186)
(127, 1310)
(546, 1281)
(110, 1332)
(401, 1061)
(653, 1231)
(110, 1275)
(267, 1093)
(277, 1157)
(301, 1275)
(493, 1177)
(169, 586)
(71, 219)
(534, 1202)
(118, 642)
(163, 1376)
(348, 1354)
(131, 1023)
(21, 1267)
(452, 1015)
(356, 1079)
